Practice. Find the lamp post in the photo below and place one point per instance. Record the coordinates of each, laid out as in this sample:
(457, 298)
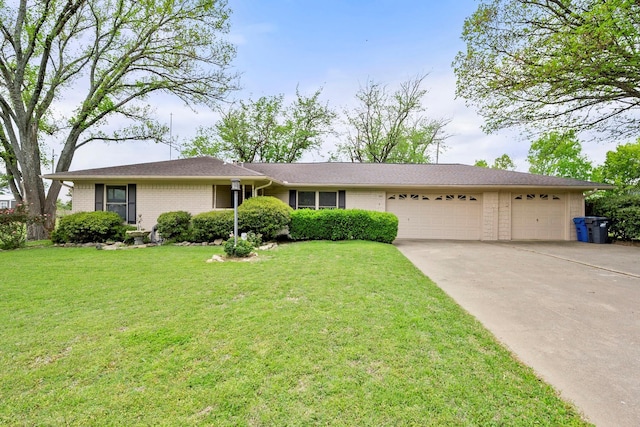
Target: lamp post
(235, 187)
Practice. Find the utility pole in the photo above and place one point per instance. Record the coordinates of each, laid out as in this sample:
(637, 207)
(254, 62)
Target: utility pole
(170, 133)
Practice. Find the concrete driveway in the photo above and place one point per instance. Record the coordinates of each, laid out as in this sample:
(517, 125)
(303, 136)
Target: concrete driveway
(570, 310)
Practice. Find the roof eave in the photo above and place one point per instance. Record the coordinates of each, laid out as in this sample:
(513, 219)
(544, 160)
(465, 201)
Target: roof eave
(444, 186)
(61, 177)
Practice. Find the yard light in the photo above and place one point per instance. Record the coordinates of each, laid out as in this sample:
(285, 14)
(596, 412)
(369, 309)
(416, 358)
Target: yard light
(235, 187)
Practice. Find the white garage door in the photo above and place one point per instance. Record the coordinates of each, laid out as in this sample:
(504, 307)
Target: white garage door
(538, 216)
(437, 216)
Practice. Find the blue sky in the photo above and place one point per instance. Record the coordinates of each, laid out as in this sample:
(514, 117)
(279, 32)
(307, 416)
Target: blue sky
(339, 45)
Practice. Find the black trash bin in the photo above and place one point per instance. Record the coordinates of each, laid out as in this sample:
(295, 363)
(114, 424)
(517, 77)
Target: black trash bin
(597, 228)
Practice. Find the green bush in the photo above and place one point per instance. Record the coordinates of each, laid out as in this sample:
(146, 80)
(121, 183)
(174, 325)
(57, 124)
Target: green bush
(242, 249)
(340, 224)
(175, 226)
(89, 227)
(624, 212)
(264, 215)
(209, 226)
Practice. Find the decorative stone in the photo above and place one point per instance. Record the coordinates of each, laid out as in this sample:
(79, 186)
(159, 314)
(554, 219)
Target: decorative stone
(268, 246)
(217, 242)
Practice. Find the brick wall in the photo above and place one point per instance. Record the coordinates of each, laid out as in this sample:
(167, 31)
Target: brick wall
(490, 215)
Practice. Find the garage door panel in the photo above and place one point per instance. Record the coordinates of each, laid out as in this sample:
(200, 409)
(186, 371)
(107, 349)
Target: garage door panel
(538, 216)
(437, 216)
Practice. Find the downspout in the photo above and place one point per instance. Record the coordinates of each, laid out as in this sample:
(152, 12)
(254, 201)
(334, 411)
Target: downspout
(255, 191)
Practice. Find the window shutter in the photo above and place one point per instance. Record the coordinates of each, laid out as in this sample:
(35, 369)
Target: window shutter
(292, 198)
(131, 204)
(342, 199)
(99, 201)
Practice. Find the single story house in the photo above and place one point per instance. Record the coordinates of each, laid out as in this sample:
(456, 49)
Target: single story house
(7, 201)
(432, 201)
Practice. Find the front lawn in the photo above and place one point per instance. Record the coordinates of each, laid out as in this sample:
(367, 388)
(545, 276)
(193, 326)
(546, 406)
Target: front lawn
(314, 333)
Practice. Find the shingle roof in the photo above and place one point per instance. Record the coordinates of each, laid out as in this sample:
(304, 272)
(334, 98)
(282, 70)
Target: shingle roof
(388, 174)
(207, 167)
(331, 174)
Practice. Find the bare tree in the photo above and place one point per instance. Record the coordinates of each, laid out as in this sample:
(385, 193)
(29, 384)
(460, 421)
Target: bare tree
(390, 127)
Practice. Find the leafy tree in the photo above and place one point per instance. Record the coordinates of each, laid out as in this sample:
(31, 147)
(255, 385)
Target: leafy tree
(4, 182)
(102, 60)
(622, 166)
(559, 64)
(503, 162)
(390, 127)
(559, 154)
(265, 130)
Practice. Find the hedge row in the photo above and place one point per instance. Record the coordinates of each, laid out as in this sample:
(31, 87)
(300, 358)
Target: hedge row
(339, 224)
(265, 216)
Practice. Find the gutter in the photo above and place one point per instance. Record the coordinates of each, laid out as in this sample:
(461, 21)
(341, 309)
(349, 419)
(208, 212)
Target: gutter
(263, 186)
(59, 180)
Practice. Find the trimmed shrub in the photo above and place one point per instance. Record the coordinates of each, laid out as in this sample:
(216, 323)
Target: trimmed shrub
(264, 215)
(209, 226)
(341, 224)
(242, 249)
(175, 226)
(89, 227)
(624, 212)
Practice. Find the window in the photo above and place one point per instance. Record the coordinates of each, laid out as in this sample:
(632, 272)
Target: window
(327, 200)
(306, 199)
(318, 200)
(4, 204)
(117, 200)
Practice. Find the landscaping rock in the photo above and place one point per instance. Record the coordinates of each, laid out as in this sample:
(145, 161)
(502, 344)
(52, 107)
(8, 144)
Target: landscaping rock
(217, 242)
(216, 258)
(268, 246)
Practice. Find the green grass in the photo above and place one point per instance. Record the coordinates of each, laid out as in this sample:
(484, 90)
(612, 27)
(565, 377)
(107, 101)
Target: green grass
(313, 333)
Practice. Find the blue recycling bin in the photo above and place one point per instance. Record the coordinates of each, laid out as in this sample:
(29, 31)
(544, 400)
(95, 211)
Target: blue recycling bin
(581, 229)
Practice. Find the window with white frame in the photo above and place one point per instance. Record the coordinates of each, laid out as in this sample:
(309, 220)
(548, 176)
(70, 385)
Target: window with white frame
(4, 204)
(317, 200)
(306, 200)
(327, 200)
(117, 200)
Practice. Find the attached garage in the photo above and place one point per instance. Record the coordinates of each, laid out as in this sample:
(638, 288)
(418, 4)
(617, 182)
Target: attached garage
(437, 215)
(431, 201)
(539, 216)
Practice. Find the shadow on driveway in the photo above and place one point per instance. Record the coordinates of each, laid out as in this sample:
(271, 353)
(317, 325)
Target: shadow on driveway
(570, 310)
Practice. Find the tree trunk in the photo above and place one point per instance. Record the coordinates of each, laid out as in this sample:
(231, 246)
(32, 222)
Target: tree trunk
(34, 195)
